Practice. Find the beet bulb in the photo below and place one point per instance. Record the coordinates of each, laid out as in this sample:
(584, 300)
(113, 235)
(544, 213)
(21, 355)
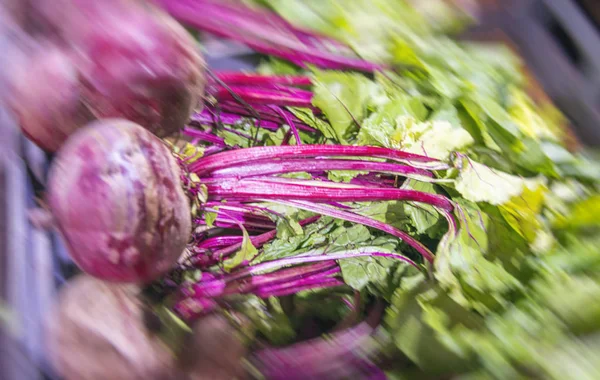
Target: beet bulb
(114, 59)
(97, 331)
(115, 192)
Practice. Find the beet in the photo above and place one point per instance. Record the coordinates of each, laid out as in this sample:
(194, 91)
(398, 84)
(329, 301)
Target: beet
(141, 65)
(124, 59)
(115, 192)
(45, 95)
(97, 331)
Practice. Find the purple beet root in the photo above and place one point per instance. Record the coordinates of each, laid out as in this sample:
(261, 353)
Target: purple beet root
(115, 193)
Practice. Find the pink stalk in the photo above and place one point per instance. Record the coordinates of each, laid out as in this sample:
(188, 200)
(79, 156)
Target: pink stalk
(292, 276)
(224, 222)
(230, 244)
(200, 296)
(248, 190)
(236, 157)
(221, 241)
(255, 95)
(286, 138)
(204, 136)
(236, 78)
(298, 260)
(270, 288)
(312, 166)
(268, 118)
(213, 149)
(266, 36)
(284, 276)
(289, 122)
(239, 214)
(264, 111)
(207, 118)
(273, 20)
(192, 308)
(332, 357)
(299, 286)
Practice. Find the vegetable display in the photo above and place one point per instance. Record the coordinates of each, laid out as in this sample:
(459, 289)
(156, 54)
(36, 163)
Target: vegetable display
(377, 200)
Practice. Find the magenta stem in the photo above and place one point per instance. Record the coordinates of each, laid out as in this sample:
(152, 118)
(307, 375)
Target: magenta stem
(235, 224)
(277, 41)
(289, 122)
(269, 119)
(255, 95)
(296, 260)
(244, 156)
(237, 78)
(207, 118)
(223, 286)
(193, 308)
(292, 283)
(311, 166)
(248, 190)
(317, 283)
(264, 111)
(316, 358)
(220, 241)
(283, 276)
(204, 136)
(274, 20)
(235, 243)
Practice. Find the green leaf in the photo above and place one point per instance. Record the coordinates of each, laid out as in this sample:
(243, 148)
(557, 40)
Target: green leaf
(361, 271)
(391, 212)
(249, 135)
(421, 320)
(245, 254)
(315, 238)
(522, 211)
(473, 120)
(288, 227)
(585, 213)
(573, 299)
(270, 319)
(321, 305)
(344, 175)
(464, 266)
(276, 66)
(510, 345)
(210, 217)
(446, 111)
(397, 126)
(311, 120)
(202, 193)
(574, 359)
(173, 332)
(343, 99)
(577, 255)
(281, 248)
(479, 183)
(422, 216)
(528, 118)
(349, 236)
